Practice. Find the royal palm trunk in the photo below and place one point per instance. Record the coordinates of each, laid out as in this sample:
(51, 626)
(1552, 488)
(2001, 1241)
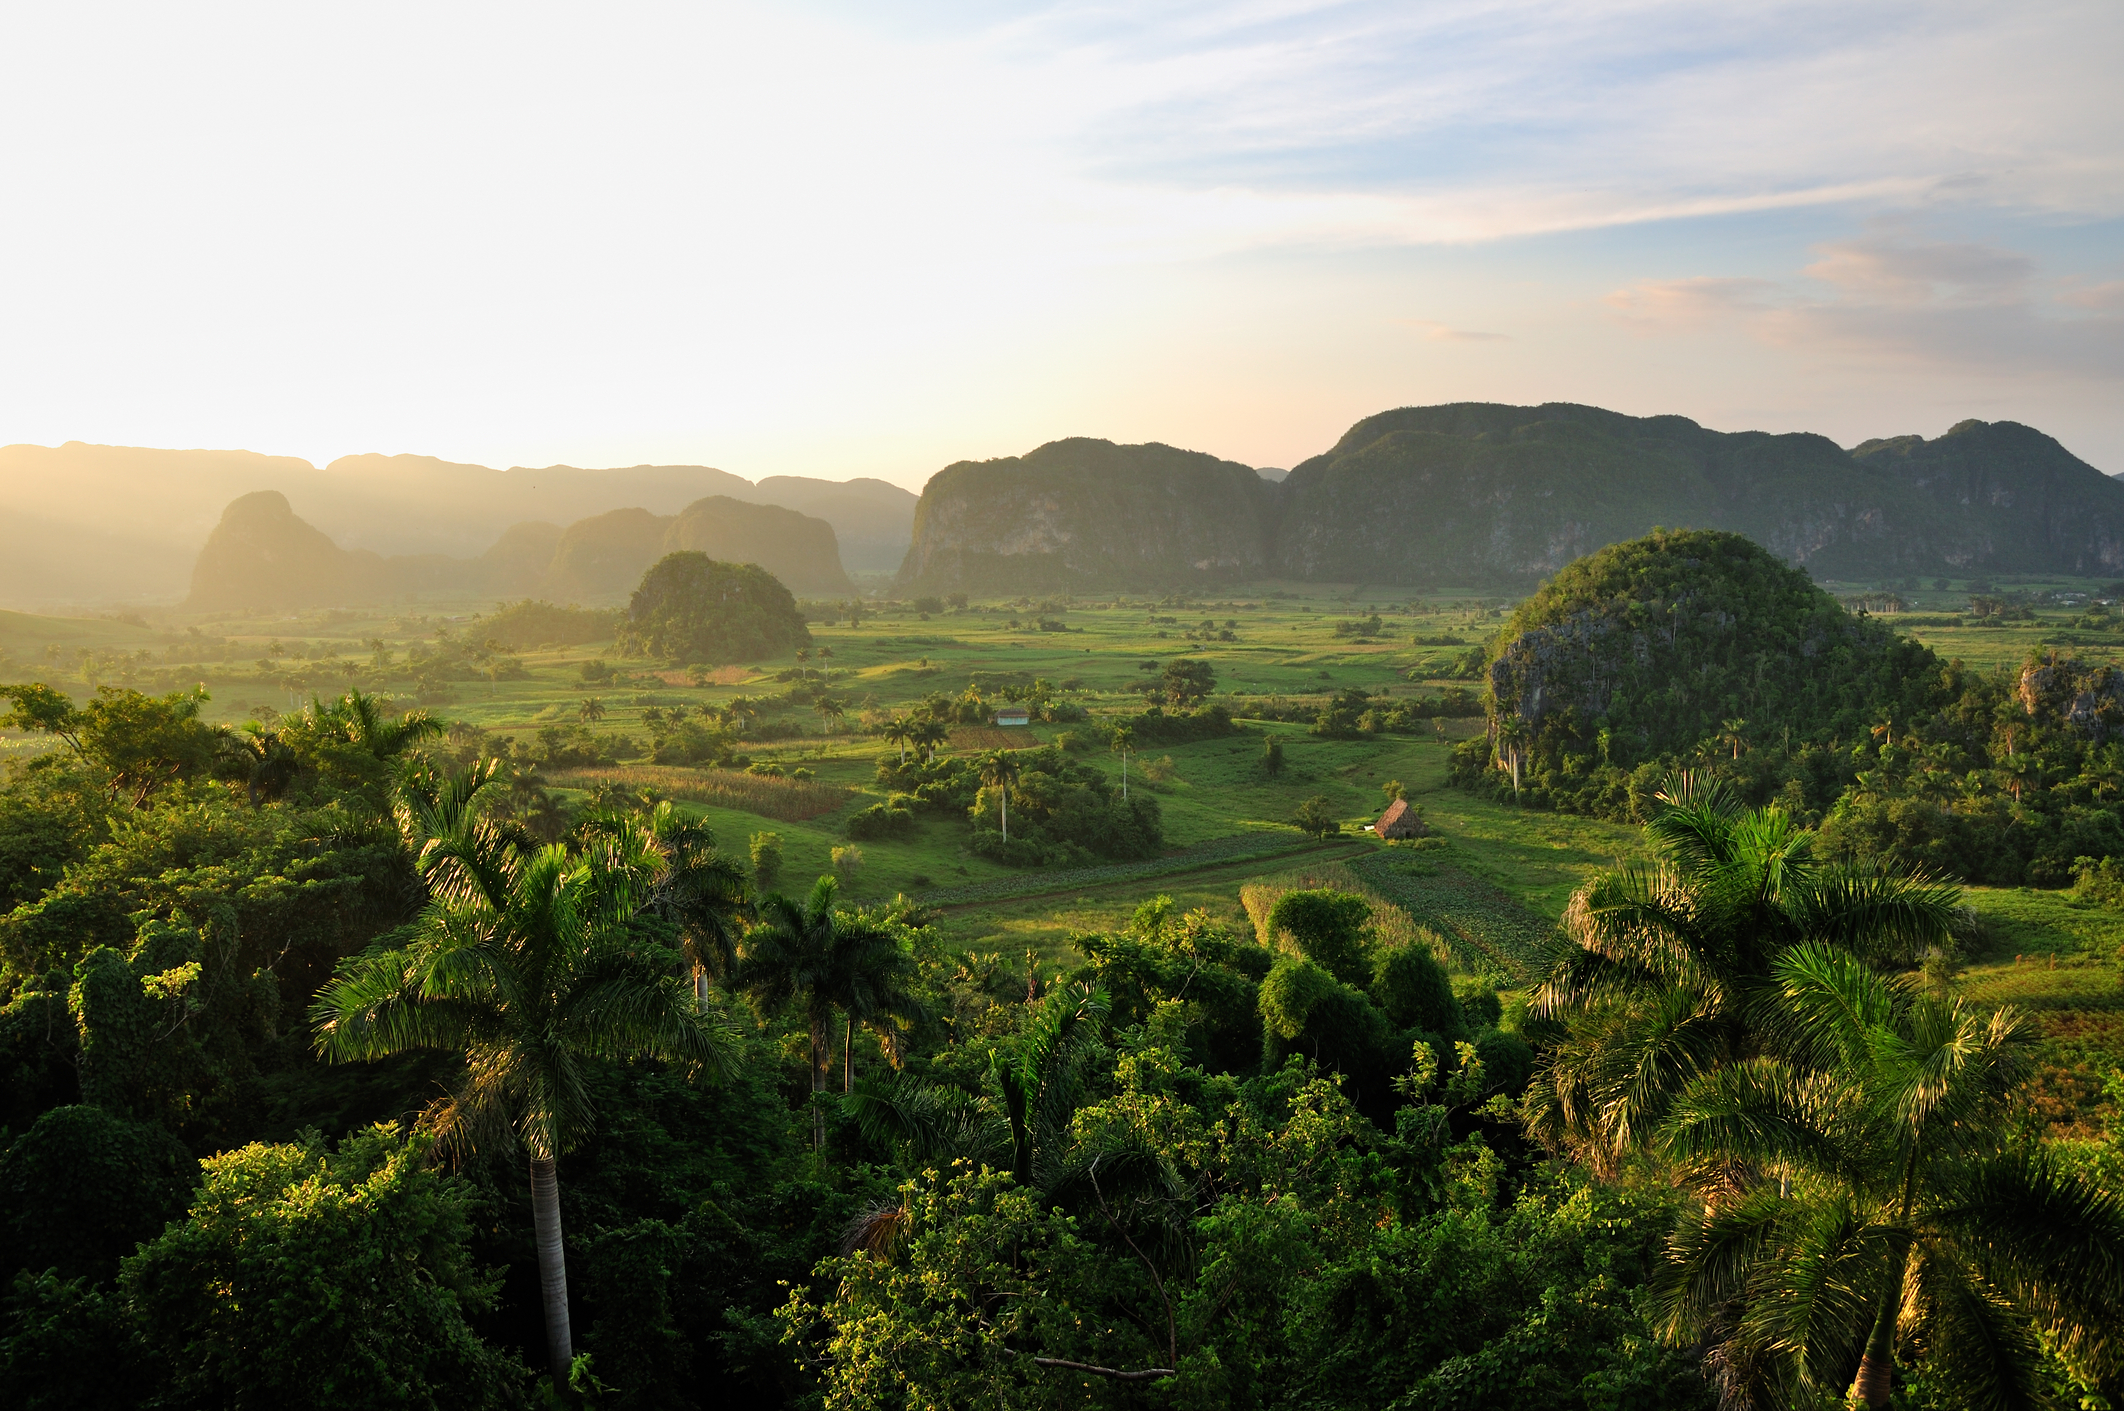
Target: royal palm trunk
(821, 1060)
(552, 1267)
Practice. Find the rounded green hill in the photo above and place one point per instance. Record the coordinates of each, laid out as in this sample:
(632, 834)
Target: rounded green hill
(1671, 643)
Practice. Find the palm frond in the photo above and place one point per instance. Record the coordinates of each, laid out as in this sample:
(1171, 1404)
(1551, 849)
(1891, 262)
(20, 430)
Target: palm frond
(1877, 911)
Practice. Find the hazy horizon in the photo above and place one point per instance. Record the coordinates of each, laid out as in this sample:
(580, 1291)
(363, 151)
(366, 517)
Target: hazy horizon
(844, 241)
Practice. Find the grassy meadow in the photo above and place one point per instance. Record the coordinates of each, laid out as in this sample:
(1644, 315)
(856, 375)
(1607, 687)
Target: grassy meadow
(1492, 884)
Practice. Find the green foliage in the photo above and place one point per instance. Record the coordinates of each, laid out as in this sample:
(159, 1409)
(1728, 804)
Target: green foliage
(1880, 1111)
(1641, 652)
(1062, 811)
(69, 1345)
(765, 850)
(1414, 992)
(84, 1186)
(691, 608)
(521, 626)
(1316, 818)
(141, 742)
(1328, 928)
(1185, 682)
(302, 1277)
(296, 886)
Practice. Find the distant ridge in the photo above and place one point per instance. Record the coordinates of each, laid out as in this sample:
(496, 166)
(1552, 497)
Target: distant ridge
(81, 523)
(263, 555)
(1481, 493)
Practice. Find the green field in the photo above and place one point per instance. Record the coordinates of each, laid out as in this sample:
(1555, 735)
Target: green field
(1495, 885)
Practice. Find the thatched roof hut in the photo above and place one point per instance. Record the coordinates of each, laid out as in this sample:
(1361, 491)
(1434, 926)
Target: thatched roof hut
(1401, 821)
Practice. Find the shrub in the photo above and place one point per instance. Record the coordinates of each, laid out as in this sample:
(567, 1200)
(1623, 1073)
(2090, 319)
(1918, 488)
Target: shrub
(1316, 818)
(83, 1187)
(766, 850)
(1413, 990)
(891, 819)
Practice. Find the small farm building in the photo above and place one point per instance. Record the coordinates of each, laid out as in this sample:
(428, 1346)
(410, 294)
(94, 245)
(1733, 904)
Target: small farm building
(1013, 715)
(1401, 821)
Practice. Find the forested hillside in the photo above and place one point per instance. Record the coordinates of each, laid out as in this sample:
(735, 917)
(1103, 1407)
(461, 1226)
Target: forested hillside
(1702, 650)
(1082, 512)
(1478, 493)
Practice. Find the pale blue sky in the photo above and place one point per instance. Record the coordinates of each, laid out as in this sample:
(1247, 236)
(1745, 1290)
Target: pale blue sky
(843, 239)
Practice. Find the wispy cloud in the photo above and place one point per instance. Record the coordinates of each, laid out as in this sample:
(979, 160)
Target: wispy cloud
(1895, 294)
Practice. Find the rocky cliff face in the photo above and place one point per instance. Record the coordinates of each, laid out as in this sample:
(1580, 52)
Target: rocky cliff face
(1082, 512)
(1478, 494)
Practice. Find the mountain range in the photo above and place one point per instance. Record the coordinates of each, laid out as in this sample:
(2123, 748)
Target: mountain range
(1483, 494)
(263, 555)
(82, 523)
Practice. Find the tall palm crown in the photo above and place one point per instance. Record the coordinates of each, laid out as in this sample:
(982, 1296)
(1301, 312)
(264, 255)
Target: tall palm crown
(532, 963)
(1885, 1206)
(999, 771)
(688, 884)
(898, 731)
(1662, 967)
(815, 956)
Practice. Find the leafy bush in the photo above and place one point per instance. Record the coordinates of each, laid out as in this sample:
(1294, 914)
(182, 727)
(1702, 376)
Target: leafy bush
(82, 1188)
(1327, 928)
(302, 1278)
(892, 819)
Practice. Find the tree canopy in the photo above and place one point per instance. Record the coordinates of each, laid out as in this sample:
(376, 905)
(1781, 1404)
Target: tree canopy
(691, 608)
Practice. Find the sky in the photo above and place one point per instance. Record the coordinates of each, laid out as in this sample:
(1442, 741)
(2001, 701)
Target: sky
(865, 238)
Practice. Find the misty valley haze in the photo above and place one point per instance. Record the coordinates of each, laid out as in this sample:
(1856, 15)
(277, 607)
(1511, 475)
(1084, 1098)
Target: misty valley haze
(1471, 494)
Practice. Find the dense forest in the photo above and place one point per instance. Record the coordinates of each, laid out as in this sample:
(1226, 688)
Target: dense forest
(1703, 650)
(319, 1068)
(343, 1061)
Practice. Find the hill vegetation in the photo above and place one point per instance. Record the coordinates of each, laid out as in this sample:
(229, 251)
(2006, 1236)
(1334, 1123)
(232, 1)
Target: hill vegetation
(1113, 1065)
(691, 609)
(1479, 493)
(1084, 512)
(1701, 650)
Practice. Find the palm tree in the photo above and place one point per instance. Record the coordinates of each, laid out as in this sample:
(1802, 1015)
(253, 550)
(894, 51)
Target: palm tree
(742, 710)
(1039, 1080)
(591, 710)
(358, 720)
(264, 764)
(999, 771)
(691, 886)
(873, 986)
(1730, 735)
(802, 954)
(528, 962)
(899, 732)
(1124, 739)
(829, 710)
(1881, 1204)
(928, 734)
(1511, 745)
(1662, 967)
